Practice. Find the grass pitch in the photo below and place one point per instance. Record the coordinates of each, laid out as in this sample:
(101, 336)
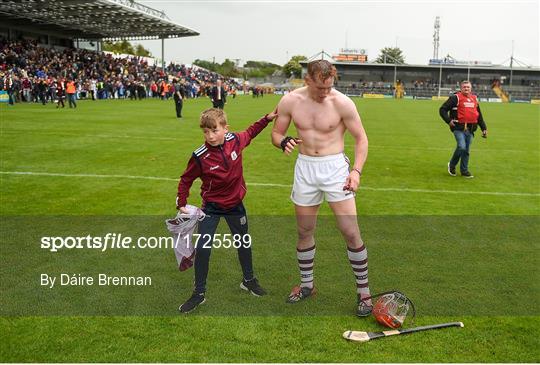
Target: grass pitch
(463, 250)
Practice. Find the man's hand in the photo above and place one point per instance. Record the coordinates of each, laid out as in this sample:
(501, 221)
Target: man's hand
(452, 124)
(353, 181)
(484, 133)
(288, 144)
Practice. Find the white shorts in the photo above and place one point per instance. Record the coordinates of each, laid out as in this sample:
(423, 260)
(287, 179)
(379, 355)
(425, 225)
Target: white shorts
(317, 178)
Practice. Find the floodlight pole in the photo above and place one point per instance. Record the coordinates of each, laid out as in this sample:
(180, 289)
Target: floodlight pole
(512, 64)
(395, 72)
(163, 54)
(440, 79)
(395, 79)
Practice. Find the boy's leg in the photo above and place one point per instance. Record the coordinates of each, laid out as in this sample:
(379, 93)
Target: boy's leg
(238, 224)
(207, 228)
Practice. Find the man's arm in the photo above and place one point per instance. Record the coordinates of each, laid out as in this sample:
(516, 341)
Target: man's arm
(445, 109)
(481, 122)
(281, 125)
(353, 123)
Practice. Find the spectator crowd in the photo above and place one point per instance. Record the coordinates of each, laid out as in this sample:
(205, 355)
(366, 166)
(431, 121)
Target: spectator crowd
(31, 73)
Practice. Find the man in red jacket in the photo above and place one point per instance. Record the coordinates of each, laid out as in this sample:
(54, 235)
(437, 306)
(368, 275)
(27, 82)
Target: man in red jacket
(462, 114)
(218, 163)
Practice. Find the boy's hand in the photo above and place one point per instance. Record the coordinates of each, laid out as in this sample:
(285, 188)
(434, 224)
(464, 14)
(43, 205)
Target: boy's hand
(183, 210)
(272, 115)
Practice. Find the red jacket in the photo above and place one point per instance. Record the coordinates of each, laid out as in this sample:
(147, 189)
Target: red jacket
(467, 108)
(220, 169)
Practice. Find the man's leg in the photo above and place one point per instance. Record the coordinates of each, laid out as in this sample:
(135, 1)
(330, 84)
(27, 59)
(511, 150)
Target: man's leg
(306, 221)
(345, 212)
(464, 164)
(460, 149)
(179, 105)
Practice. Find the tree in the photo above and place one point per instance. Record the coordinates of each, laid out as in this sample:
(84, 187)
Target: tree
(390, 55)
(211, 66)
(261, 68)
(293, 67)
(141, 51)
(125, 47)
(227, 68)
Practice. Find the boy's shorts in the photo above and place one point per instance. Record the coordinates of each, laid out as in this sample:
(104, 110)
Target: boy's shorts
(317, 178)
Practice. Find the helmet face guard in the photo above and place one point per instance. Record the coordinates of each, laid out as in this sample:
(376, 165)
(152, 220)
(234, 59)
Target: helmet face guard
(391, 308)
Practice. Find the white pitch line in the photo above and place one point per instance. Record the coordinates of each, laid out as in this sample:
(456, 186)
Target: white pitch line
(135, 177)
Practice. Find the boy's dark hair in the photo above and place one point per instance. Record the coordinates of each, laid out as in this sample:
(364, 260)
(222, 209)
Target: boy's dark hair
(210, 118)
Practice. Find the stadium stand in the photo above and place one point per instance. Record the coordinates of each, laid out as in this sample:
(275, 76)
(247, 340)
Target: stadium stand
(39, 49)
(421, 81)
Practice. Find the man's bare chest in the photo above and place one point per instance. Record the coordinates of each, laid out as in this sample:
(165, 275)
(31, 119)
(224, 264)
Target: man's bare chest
(316, 118)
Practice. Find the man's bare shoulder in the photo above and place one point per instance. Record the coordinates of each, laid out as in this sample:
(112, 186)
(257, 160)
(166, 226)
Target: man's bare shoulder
(293, 97)
(341, 100)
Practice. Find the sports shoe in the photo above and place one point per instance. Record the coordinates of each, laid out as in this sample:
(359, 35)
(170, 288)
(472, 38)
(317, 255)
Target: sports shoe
(253, 287)
(193, 302)
(363, 309)
(300, 293)
(451, 170)
(467, 174)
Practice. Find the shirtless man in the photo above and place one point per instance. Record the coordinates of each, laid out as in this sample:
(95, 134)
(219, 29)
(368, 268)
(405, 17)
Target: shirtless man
(321, 116)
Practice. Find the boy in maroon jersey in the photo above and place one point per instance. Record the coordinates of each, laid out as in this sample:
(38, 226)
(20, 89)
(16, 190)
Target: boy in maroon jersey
(218, 163)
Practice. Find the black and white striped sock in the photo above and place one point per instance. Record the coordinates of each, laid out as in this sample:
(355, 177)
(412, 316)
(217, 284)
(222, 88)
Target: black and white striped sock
(359, 263)
(305, 263)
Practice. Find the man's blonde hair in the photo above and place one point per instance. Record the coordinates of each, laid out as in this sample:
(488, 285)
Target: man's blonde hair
(210, 118)
(321, 69)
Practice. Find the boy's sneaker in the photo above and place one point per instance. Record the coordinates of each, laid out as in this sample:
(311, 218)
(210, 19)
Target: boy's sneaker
(363, 309)
(467, 174)
(253, 287)
(451, 170)
(300, 293)
(193, 302)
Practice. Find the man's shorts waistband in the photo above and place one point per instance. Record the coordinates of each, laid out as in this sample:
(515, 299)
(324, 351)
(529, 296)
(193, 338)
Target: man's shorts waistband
(337, 156)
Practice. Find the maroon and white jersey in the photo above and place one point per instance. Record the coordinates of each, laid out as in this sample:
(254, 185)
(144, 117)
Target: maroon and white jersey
(220, 169)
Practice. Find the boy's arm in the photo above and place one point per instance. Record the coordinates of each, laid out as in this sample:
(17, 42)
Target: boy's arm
(192, 172)
(253, 130)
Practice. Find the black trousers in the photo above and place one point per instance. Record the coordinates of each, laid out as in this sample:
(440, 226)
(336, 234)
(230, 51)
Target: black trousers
(220, 104)
(179, 104)
(236, 219)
